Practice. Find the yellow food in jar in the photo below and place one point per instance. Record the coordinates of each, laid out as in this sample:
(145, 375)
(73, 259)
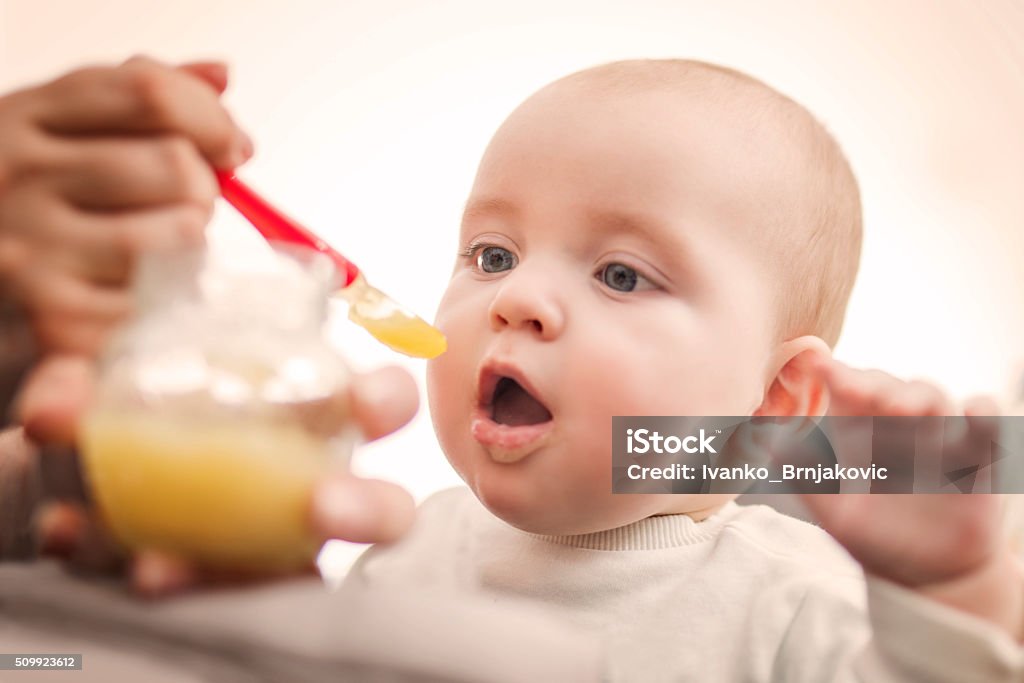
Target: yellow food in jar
(233, 495)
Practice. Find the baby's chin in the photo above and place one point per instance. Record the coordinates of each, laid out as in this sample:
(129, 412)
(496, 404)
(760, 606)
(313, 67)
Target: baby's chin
(549, 522)
(535, 495)
(533, 512)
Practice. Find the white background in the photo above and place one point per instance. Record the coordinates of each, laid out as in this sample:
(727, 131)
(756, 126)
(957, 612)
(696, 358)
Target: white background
(369, 118)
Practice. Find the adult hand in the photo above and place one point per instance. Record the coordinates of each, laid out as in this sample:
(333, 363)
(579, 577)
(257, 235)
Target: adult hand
(96, 167)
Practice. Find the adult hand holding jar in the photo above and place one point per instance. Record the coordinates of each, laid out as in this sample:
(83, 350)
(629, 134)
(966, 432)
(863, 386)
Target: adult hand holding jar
(96, 168)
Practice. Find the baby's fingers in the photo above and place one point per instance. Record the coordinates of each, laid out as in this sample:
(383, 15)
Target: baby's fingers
(852, 392)
(981, 407)
(972, 449)
(873, 392)
(916, 398)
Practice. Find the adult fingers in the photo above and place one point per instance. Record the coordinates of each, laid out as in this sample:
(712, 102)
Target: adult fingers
(68, 531)
(69, 315)
(361, 510)
(54, 398)
(60, 527)
(107, 245)
(157, 574)
(384, 400)
(83, 336)
(44, 288)
(214, 73)
(94, 246)
(117, 173)
(154, 573)
(143, 96)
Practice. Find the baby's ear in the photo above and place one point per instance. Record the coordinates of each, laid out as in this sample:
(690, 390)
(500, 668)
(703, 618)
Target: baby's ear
(797, 387)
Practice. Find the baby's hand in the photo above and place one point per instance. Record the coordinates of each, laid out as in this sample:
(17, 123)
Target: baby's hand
(947, 546)
(96, 167)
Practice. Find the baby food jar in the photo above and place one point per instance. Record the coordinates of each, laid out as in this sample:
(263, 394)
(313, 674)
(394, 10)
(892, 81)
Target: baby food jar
(218, 408)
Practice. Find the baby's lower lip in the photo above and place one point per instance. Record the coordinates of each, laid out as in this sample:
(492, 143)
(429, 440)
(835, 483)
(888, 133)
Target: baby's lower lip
(505, 443)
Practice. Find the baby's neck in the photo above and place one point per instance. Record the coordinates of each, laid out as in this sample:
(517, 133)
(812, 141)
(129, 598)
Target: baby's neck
(698, 508)
(696, 515)
(666, 530)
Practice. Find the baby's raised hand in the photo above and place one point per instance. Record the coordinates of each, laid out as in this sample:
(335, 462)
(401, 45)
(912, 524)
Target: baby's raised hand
(95, 167)
(947, 546)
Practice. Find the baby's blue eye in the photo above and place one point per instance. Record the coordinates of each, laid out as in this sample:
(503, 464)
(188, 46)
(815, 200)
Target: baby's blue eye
(620, 277)
(495, 259)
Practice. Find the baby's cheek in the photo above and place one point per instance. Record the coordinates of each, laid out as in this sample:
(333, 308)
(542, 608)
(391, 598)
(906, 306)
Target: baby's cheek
(439, 380)
(589, 430)
(450, 376)
(449, 415)
(616, 386)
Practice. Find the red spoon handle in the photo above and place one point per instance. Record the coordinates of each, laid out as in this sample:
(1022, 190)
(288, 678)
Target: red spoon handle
(274, 225)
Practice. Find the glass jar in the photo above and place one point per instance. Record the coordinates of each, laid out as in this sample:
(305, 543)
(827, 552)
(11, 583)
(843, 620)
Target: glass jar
(218, 407)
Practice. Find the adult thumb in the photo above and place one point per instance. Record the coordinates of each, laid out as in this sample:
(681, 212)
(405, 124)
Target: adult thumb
(213, 73)
(54, 398)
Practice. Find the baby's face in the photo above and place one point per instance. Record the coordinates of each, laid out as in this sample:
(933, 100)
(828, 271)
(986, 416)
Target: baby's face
(606, 270)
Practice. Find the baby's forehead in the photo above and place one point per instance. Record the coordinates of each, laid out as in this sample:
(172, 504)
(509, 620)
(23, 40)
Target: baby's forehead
(726, 124)
(683, 89)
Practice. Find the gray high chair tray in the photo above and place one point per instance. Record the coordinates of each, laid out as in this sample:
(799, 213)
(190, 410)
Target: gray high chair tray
(287, 631)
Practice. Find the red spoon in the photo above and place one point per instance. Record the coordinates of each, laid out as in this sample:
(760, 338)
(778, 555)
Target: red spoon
(274, 225)
(369, 308)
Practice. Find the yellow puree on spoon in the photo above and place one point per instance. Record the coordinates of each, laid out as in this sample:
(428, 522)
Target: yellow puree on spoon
(391, 324)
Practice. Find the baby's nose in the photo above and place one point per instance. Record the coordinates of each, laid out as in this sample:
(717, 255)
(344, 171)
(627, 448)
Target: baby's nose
(534, 305)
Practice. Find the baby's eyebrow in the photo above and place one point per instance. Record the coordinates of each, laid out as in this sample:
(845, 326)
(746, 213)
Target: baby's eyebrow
(489, 206)
(607, 222)
(671, 244)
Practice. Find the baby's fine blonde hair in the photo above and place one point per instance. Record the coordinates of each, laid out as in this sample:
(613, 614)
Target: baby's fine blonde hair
(811, 232)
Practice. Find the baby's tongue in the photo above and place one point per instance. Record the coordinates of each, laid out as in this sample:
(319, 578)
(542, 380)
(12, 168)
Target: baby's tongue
(515, 407)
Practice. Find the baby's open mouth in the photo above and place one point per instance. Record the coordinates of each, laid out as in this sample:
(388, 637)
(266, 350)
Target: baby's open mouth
(509, 421)
(514, 406)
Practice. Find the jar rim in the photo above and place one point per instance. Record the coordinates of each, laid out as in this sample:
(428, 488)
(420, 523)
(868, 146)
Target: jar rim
(291, 276)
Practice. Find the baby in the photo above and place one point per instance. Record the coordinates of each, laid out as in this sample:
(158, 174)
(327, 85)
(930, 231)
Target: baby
(677, 238)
